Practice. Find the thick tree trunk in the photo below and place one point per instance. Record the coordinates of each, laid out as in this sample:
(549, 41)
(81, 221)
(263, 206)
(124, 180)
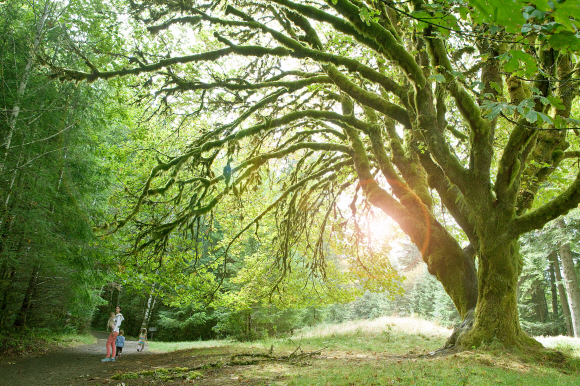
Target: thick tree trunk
(456, 272)
(496, 315)
(553, 256)
(571, 283)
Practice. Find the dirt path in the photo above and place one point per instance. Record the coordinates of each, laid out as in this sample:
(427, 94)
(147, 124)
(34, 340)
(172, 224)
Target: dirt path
(71, 366)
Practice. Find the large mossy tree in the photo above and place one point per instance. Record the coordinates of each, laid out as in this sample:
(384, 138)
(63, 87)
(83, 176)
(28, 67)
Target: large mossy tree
(411, 103)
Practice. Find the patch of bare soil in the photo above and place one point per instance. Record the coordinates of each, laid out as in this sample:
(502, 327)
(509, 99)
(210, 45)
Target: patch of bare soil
(71, 366)
(82, 366)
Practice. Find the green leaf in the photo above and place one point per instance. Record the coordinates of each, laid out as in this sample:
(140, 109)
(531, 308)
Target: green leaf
(545, 118)
(531, 116)
(556, 102)
(495, 86)
(565, 40)
(512, 64)
(463, 12)
(438, 78)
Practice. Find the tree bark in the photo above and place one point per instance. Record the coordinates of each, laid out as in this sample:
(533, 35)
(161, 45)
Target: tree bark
(539, 299)
(553, 256)
(149, 307)
(6, 285)
(554, 291)
(15, 111)
(496, 316)
(22, 316)
(571, 282)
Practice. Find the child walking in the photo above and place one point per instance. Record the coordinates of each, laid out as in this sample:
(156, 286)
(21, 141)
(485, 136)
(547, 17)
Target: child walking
(142, 339)
(120, 343)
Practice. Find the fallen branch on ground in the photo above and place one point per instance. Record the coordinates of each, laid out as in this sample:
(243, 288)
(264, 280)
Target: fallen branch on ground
(193, 372)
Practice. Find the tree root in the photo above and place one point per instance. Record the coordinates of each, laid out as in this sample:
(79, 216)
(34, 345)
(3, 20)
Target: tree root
(167, 374)
(465, 326)
(296, 354)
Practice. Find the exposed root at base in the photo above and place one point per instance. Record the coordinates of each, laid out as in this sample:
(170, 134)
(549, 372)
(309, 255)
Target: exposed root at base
(442, 352)
(191, 373)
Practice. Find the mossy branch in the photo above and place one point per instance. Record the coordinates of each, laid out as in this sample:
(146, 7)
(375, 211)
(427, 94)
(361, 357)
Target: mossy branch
(388, 44)
(450, 195)
(558, 206)
(520, 138)
(182, 85)
(368, 98)
(192, 20)
(399, 187)
(297, 50)
(466, 105)
(64, 74)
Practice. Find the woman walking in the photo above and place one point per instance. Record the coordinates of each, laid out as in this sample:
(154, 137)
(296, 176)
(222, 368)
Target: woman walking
(117, 319)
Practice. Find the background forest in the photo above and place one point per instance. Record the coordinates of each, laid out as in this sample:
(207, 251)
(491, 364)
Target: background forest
(74, 157)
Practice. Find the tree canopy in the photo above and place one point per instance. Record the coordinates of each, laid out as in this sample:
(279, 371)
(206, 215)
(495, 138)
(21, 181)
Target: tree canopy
(299, 117)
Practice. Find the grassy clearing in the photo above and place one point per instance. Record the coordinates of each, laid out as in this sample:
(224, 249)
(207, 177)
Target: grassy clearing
(455, 370)
(394, 335)
(162, 347)
(567, 345)
(383, 351)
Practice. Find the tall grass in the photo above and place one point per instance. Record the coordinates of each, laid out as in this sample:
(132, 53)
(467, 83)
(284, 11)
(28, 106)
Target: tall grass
(565, 344)
(377, 326)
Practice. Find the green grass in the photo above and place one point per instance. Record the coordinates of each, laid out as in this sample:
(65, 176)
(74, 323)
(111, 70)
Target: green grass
(161, 347)
(387, 334)
(461, 370)
(382, 352)
(567, 345)
(385, 351)
(39, 340)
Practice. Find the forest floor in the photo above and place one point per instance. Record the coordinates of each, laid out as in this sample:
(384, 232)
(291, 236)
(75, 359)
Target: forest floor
(385, 351)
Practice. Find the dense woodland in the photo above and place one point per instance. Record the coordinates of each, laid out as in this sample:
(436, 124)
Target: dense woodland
(243, 169)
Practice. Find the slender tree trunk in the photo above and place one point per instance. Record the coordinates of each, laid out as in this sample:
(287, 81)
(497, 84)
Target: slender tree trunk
(496, 316)
(570, 281)
(571, 284)
(151, 312)
(23, 81)
(22, 316)
(554, 291)
(553, 256)
(7, 282)
(116, 294)
(539, 298)
(148, 308)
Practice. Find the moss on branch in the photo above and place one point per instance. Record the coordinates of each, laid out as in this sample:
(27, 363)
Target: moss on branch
(558, 206)
(388, 44)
